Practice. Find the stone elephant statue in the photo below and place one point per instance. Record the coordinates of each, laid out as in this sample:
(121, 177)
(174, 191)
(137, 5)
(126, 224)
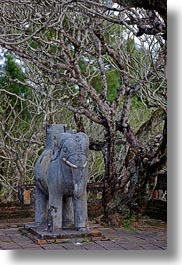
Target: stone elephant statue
(61, 175)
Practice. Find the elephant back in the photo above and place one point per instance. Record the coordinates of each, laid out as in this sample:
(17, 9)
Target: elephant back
(42, 164)
(53, 132)
(56, 135)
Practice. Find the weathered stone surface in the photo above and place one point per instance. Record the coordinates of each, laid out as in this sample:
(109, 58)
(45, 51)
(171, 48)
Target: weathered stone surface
(40, 235)
(61, 175)
(109, 245)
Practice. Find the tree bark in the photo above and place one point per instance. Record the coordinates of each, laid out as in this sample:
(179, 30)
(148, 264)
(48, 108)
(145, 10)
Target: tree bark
(158, 5)
(145, 164)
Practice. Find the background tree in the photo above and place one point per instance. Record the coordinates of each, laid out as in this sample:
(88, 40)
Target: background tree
(77, 48)
(17, 122)
(23, 116)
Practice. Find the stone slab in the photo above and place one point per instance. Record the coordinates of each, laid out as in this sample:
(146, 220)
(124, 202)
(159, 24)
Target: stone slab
(42, 236)
(14, 239)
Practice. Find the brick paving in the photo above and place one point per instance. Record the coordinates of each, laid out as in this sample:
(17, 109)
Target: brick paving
(117, 239)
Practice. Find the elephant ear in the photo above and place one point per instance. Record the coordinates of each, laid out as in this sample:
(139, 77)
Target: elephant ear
(63, 137)
(58, 144)
(84, 141)
(83, 136)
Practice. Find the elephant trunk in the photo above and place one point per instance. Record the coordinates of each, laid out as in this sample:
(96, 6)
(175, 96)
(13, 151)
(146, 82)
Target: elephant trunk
(78, 165)
(79, 183)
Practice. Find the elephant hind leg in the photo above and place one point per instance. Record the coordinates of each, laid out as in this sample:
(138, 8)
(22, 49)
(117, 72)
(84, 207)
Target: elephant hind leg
(41, 200)
(68, 214)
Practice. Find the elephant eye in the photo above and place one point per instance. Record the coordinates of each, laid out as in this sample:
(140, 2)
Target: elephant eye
(65, 149)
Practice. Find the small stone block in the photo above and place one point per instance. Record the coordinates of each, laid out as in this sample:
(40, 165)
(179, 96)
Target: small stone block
(41, 241)
(27, 197)
(96, 233)
(97, 238)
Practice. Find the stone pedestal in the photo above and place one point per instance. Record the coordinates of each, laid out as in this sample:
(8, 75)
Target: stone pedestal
(40, 235)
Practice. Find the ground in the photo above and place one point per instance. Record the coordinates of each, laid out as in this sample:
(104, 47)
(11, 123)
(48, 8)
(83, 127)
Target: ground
(146, 224)
(144, 234)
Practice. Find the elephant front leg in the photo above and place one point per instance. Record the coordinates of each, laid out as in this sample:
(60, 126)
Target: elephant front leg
(54, 212)
(80, 213)
(68, 214)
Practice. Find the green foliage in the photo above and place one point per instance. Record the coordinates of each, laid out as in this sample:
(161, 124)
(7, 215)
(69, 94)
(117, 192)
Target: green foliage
(127, 222)
(113, 82)
(33, 44)
(16, 93)
(96, 82)
(138, 113)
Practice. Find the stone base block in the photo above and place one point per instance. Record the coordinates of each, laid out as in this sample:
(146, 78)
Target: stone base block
(40, 235)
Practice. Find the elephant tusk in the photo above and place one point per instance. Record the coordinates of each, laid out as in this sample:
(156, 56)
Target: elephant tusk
(85, 164)
(69, 163)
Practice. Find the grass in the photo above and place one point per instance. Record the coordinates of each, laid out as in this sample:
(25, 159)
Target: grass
(127, 223)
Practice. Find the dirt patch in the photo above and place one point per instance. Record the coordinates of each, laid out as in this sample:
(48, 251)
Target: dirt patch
(146, 224)
(140, 224)
(14, 222)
